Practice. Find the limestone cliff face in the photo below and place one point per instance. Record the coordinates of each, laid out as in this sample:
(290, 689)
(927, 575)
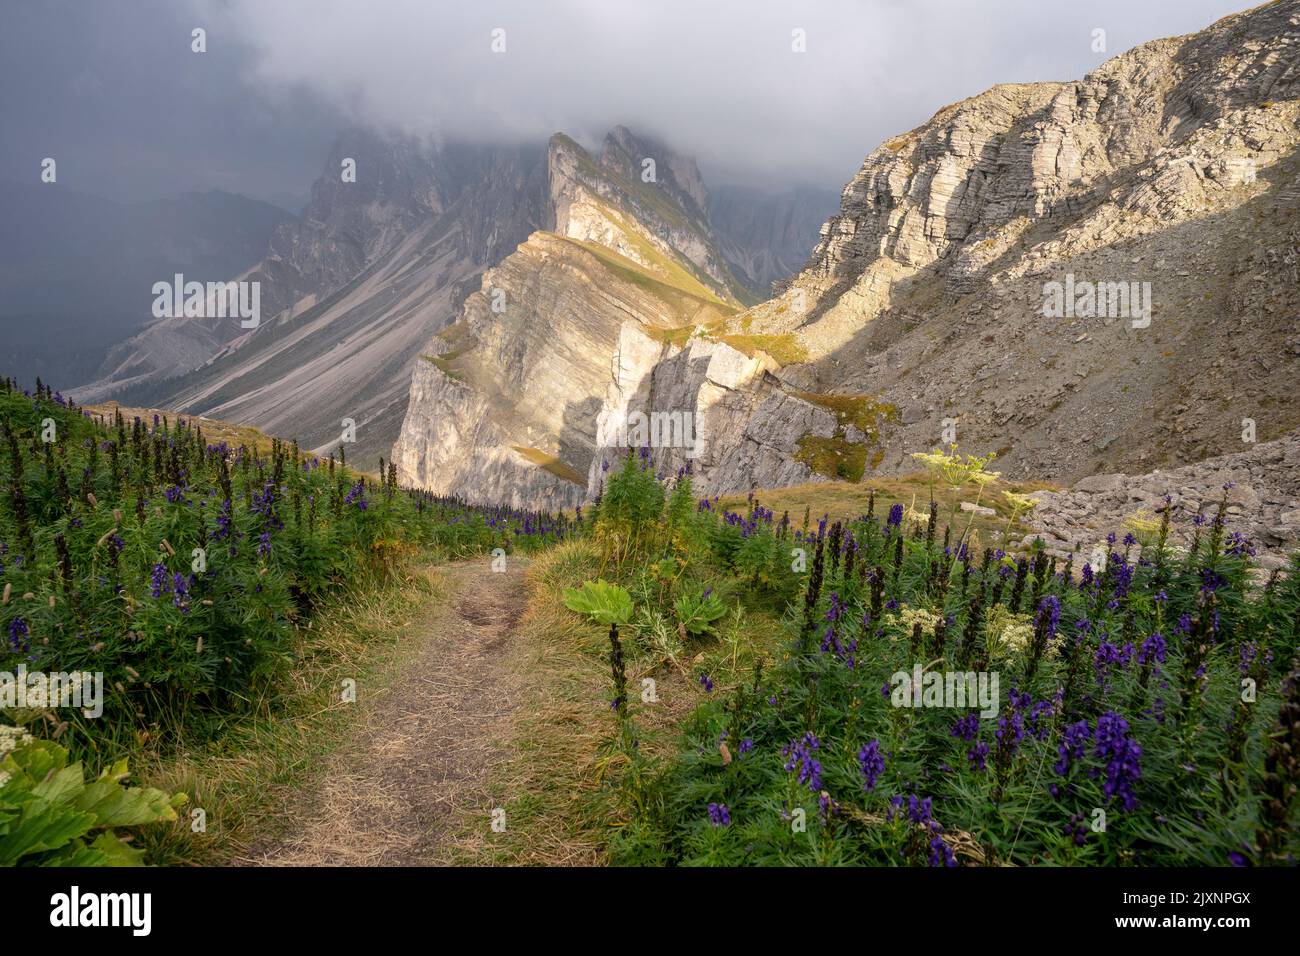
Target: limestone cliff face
(706, 406)
(503, 405)
(1173, 165)
(513, 402)
(643, 201)
(1150, 138)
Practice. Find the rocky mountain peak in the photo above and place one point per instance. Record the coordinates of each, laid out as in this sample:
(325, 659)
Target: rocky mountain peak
(510, 402)
(646, 215)
(986, 177)
(626, 153)
(393, 169)
(1171, 167)
(352, 291)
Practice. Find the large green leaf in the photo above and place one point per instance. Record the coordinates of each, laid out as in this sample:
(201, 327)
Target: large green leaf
(62, 786)
(49, 813)
(116, 806)
(42, 826)
(603, 602)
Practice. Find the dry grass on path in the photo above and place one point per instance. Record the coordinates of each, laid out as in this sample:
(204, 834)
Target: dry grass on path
(422, 750)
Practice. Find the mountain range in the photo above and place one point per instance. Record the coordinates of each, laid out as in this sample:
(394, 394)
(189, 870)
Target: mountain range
(493, 314)
(353, 291)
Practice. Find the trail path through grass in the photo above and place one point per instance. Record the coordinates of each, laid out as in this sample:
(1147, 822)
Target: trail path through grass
(426, 743)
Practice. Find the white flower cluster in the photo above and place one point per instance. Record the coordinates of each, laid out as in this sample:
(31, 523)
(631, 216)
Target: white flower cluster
(910, 616)
(1017, 635)
(1008, 633)
(11, 738)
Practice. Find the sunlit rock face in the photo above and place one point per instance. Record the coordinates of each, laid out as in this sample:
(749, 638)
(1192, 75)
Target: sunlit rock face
(586, 321)
(1171, 170)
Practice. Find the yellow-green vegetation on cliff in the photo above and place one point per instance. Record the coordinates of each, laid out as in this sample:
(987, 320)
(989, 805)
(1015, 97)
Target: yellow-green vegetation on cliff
(641, 193)
(834, 457)
(674, 286)
(457, 335)
(444, 364)
(461, 340)
(679, 336)
(865, 412)
(676, 271)
(551, 464)
(641, 198)
(838, 456)
(784, 347)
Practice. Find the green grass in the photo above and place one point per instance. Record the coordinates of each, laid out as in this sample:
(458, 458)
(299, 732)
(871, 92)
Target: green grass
(457, 335)
(835, 456)
(642, 193)
(682, 334)
(898, 143)
(865, 412)
(648, 196)
(676, 271)
(844, 500)
(445, 363)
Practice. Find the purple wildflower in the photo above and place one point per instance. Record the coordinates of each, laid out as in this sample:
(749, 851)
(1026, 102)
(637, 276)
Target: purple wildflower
(180, 589)
(1049, 615)
(18, 631)
(158, 580)
(1071, 748)
(871, 764)
(799, 754)
(1122, 756)
(967, 728)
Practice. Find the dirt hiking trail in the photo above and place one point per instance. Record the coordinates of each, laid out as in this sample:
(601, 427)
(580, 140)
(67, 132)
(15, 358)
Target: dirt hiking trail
(421, 752)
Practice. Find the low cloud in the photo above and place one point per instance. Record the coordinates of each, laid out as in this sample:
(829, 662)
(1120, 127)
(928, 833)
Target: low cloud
(114, 87)
(718, 79)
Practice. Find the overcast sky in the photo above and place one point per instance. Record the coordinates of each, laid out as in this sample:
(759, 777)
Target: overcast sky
(112, 90)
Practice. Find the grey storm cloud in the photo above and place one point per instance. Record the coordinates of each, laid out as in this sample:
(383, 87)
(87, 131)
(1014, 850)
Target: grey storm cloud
(715, 78)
